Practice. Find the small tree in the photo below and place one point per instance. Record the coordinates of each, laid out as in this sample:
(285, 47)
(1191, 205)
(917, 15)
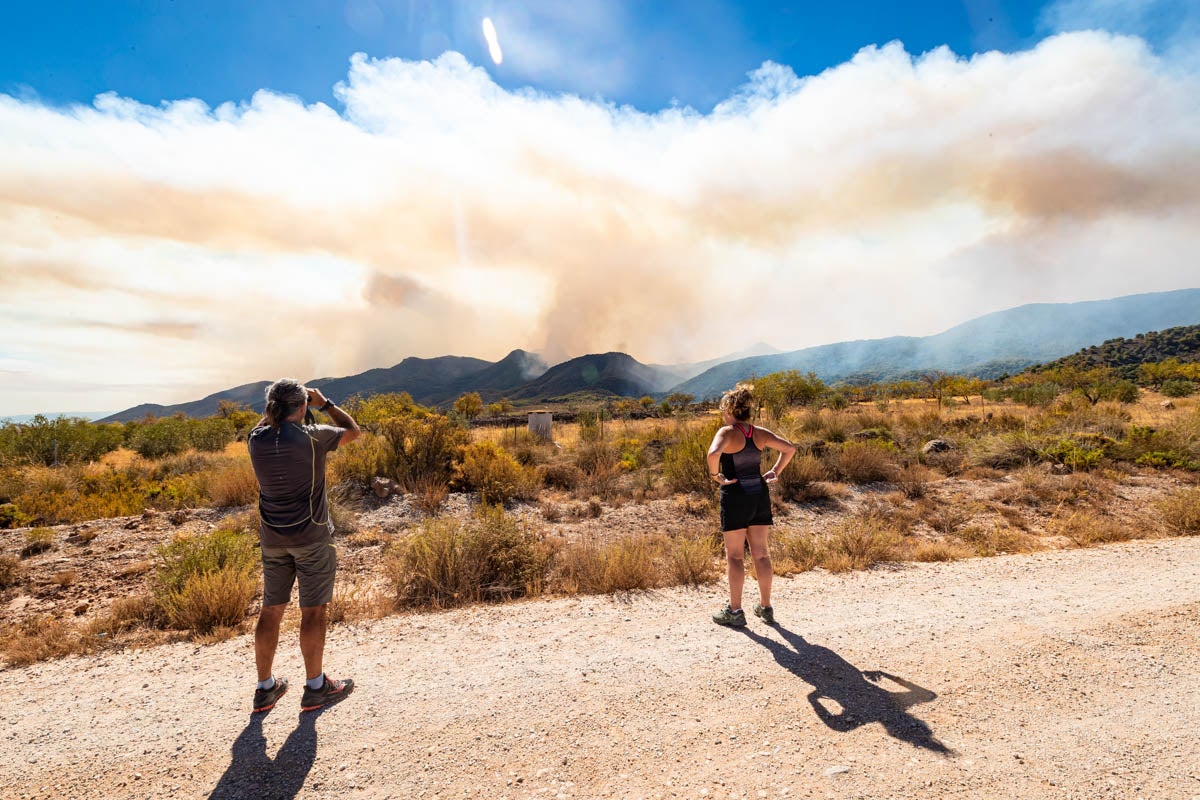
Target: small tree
(469, 405)
(680, 400)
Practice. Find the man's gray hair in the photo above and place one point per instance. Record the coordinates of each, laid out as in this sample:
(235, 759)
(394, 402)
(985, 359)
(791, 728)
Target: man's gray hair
(284, 398)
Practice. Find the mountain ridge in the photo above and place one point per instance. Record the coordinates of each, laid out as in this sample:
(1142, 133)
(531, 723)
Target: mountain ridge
(990, 345)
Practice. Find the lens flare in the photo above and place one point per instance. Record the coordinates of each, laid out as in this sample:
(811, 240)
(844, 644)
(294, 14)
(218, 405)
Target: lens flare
(493, 43)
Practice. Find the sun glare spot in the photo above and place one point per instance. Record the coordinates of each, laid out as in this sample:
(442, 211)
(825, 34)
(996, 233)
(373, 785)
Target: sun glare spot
(493, 43)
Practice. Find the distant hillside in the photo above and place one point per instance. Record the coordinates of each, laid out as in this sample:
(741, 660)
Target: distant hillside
(428, 380)
(1004, 341)
(616, 373)
(1125, 355)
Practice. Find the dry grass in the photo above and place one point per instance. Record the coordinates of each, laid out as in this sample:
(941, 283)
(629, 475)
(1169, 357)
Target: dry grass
(206, 581)
(927, 551)
(344, 519)
(41, 638)
(65, 577)
(694, 505)
(135, 568)
(996, 539)
(802, 480)
(551, 512)
(692, 560)
(124, 614)
(369, 537)
(429, 493)
(793, 551)
(210, 601)
(860, 543)
(615, 566)
(865, 462)
(947, 518)
(913, 480)
(447, 562)
(355, 602)
(12, 571)
(1084, 529)
(1181, 512)
(84, 536)
(232, 485)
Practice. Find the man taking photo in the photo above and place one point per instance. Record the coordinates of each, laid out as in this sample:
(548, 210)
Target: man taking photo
(296, 534)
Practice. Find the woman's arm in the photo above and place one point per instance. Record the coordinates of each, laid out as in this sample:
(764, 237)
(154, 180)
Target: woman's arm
(786, 451)
(714, 457)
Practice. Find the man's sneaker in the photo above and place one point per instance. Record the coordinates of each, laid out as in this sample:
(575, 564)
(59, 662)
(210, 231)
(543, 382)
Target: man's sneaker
(331, 691)
(727, 616)
(765, 613)
(265, 699)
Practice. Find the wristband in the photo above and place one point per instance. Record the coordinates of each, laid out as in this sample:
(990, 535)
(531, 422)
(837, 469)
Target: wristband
(328, 403)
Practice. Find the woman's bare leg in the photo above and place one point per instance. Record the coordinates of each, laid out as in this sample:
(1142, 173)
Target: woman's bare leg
(735, 566)
(757, 534)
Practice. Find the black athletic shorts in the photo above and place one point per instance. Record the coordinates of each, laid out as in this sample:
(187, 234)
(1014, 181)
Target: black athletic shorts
(740, 510)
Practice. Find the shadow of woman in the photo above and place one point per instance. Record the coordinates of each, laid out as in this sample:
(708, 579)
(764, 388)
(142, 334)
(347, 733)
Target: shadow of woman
(251, 774)
(861, 698)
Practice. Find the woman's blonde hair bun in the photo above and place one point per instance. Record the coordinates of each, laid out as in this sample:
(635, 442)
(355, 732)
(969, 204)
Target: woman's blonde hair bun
(739, 401)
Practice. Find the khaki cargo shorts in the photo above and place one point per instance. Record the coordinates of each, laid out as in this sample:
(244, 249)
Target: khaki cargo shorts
(314, 563)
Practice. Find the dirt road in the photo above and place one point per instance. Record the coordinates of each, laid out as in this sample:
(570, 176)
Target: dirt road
(1071, 674)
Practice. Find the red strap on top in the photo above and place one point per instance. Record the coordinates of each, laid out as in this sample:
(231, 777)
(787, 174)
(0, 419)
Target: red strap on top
(748, 434)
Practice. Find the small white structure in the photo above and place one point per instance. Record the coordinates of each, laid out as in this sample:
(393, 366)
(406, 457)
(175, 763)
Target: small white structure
(540, 424)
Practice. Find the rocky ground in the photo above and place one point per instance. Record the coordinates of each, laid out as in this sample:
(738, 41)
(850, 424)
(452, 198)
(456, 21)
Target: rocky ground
(1063, 674)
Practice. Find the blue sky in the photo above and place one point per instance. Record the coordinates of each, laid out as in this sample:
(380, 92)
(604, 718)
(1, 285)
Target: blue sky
(196, 195)
(693, 52)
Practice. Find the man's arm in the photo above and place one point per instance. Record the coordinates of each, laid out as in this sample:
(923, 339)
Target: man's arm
(339, 417)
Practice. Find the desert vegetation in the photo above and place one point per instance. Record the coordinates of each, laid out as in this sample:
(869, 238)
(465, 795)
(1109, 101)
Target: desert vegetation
(120, 535)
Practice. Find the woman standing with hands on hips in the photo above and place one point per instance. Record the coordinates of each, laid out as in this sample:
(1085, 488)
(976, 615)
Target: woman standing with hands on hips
(734, 461)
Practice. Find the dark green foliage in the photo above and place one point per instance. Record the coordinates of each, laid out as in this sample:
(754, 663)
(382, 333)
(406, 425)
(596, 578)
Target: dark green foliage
(1126, 356)
(162, 437)
(62, 440)
(1177, 387)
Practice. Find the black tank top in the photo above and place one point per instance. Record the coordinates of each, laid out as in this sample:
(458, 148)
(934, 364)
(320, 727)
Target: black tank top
(743, 465)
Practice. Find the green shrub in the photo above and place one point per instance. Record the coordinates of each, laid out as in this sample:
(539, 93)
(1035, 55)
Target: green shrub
(38, 540)
(447, 562)
(421, 447)
(206, 581)
(211, 435)
(1178, 388)
(685, 466)
(1073, 454)
(163, 437)
(496, 475)
(61, 440)
(367, 457)
(12, 517)
(1171, 458)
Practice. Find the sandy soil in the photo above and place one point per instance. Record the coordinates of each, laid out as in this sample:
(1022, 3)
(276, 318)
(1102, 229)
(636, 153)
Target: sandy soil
(1063, 674)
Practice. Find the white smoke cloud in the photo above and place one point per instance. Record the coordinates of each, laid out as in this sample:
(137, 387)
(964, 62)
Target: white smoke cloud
(194, 248)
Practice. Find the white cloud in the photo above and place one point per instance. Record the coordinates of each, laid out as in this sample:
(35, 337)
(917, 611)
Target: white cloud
(439, 213)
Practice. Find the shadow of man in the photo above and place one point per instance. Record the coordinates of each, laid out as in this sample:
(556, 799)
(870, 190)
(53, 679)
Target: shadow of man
(860, 697)
(251, 774)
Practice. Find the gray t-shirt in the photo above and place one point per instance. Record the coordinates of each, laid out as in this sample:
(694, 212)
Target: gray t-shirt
(289, 462)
